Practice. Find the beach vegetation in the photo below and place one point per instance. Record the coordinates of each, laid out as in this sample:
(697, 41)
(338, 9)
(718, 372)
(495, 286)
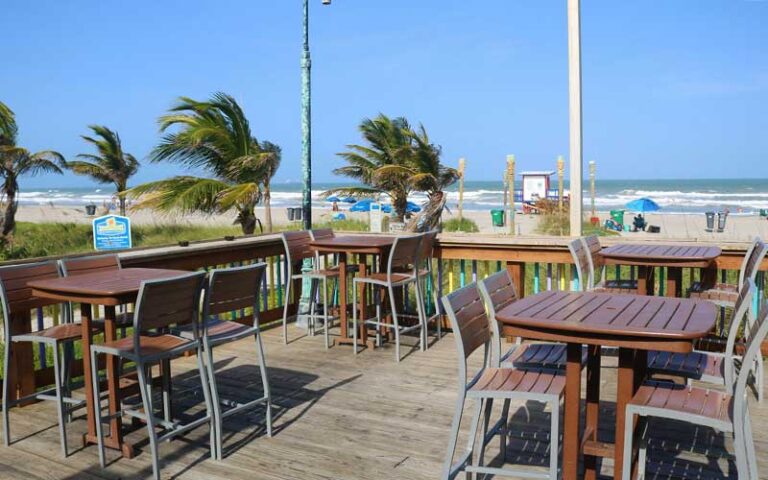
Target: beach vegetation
(460, 225)
(397, 159)
(15, 162)
(214, 136)
(110, 164)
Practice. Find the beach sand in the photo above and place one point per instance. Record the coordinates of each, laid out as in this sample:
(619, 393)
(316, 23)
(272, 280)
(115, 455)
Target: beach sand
(679, 226)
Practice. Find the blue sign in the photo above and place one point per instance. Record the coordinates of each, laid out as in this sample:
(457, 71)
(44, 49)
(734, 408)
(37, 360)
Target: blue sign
(111, 232)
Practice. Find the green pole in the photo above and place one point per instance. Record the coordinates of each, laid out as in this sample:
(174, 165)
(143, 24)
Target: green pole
(306, 126)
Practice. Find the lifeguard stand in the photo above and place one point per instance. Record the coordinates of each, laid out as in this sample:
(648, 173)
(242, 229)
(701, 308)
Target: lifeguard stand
(536, 186)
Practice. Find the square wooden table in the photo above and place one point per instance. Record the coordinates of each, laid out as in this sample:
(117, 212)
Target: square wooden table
(361, 245)
(633, 323)
(110, 289)
(646, 256)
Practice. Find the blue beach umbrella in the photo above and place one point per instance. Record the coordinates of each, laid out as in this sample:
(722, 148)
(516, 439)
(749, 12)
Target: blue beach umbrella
(349, 200)
(412, 208)
(365, 206)
(333, 199)
(643, 205)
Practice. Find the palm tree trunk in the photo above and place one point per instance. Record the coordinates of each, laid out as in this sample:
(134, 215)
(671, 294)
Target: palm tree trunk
(429, 217)
(122, 205)
(268, 208)
(9, 214)
(246, 217)
(399, 206)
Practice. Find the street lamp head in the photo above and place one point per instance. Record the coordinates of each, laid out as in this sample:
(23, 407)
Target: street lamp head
(326, 2)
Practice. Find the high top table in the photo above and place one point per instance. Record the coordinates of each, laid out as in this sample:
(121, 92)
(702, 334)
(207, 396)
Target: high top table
(110, 289)
(633, 323)
(361, 245)
(646, 256)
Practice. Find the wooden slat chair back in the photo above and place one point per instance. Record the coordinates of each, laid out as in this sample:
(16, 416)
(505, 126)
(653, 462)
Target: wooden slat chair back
(740, 319)
(581, 260)
(427, 248)
(234, 289)
(752, 260)
(168, 302)
(91, 264)
(405, 252)
(471, 329)
(297, 246)
(16, 296)
(596, 261)
(498, 291)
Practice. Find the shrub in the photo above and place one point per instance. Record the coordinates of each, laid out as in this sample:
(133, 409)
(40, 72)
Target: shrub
(460, 225)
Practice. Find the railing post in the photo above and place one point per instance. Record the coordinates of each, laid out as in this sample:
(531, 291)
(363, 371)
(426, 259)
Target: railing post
(517, 272)
(536, 286)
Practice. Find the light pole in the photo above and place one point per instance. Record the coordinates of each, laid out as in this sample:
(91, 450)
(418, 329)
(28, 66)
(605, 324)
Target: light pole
(306, 123)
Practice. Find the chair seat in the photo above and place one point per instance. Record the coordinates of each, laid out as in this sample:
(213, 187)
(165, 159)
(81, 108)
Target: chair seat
(616, 286)
(217, 329)
(59, 333)
(720, 292)
(512, 380)
(148, 345)
(680, 400)
(695, 365)
(551, 356)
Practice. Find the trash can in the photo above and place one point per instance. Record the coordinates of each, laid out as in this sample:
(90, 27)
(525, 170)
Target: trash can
(90, 209)
(497, 217)
(710, 221)
(764, 212)
(618, 216)
(721, 216)
(298, 214)
(290, 213)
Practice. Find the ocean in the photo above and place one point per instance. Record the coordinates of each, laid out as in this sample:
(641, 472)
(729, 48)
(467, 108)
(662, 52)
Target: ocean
(745, 196)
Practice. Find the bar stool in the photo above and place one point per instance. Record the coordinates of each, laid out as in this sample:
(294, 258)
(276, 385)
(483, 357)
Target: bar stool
(427, 281)
(471, 329)
(296, 249)
(233, 293)
(402, 267)
(17, 299)
(161, 305)
(724, 411)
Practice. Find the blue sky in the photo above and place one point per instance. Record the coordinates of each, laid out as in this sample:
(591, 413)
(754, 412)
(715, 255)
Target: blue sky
(672, 89)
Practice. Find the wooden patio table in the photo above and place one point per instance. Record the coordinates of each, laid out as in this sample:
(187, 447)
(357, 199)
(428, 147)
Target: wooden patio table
(634, 324)
(110, 289)
(646, 256)
(361, 245)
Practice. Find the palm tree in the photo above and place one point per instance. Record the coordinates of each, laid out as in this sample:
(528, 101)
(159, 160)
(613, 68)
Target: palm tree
(267, 163)
(16, 161)
(379, 164)
(214, 136)
(398, 160)
(110, 164)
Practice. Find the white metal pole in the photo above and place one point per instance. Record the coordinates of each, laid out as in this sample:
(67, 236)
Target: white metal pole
(574, 95)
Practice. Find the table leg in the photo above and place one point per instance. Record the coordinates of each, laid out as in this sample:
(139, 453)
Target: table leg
(627, 383)
(21, 371)
(593, 408)
(571, 431)
(674, 281)
(361, 298)
(343, 294)
(709, 276)
(645, 280)
(85, 322)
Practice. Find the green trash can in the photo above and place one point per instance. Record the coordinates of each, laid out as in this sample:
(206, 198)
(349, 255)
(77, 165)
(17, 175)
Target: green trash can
(497, 217)
(764, 212)
(618, 216)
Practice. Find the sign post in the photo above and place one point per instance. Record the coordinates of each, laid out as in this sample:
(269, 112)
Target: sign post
(112, 232)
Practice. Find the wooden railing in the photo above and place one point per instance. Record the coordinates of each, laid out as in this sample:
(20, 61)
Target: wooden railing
(536, 264)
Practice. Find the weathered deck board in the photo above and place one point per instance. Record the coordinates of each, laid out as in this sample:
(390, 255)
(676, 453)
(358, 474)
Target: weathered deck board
(340, 417)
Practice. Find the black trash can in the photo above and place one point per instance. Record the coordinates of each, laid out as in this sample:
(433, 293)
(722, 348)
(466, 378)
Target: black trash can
(721, 217)
(710, 221)
(90, 210)
(291, 213)
(298, 214)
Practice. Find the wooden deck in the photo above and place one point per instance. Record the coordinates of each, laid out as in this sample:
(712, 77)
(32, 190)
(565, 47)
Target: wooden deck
(341, 417)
